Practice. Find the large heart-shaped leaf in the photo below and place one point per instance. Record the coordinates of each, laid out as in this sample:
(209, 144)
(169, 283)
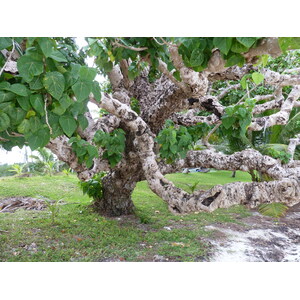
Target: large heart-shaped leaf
(58, 56)
(223, 44)
(24, 127)
(17, 115)
(54, 82)
(19, 89)
(37, 103)
(86, 73)
(29, 66)
(46, 45)
(4, 121)
(5, 97)
(68, 125)
(82, 89)
(38, 139)
(257, 77)
(247, 41)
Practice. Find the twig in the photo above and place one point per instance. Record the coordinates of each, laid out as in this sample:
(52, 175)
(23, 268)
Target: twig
(46, 115)
(9, 57)
(291, 70)
(130, 47)
(14, 134)
(163, 68)
(205, 139)
(226, 91)
(159, 43)
(247, 94)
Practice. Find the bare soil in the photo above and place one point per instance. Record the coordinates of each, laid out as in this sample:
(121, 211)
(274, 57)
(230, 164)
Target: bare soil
(258, 239)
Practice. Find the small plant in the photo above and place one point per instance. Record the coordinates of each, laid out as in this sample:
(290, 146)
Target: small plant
(93, 187)
(17, 169)
(283, 156)
(50, 167)
(53, 207)
(192, 187)
(113, 143)
(275, 209)
(67, 171)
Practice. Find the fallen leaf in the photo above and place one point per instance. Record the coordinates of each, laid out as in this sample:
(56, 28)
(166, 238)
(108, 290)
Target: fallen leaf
(178, 244)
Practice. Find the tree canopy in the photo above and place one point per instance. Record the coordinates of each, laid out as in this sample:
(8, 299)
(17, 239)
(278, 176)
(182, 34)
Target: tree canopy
(162, 97)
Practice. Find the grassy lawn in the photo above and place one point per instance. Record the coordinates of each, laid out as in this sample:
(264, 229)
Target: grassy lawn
(79, 234)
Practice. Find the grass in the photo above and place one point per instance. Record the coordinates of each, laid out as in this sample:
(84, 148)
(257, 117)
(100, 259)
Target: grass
(79, 234)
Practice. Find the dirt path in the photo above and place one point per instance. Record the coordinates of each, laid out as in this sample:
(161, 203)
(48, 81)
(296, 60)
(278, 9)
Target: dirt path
(260, 239)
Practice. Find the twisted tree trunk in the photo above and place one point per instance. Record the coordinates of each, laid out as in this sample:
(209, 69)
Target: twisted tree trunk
(117, 189)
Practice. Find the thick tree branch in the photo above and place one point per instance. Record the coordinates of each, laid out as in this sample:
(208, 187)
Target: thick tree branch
(279, 118)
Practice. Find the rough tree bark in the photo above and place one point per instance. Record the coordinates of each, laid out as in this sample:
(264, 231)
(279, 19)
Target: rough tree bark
(163, 99)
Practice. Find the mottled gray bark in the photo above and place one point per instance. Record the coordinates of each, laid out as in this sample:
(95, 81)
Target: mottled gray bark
(165, 98)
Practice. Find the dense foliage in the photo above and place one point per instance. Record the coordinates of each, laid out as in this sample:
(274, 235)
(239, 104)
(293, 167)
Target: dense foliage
(47, 96)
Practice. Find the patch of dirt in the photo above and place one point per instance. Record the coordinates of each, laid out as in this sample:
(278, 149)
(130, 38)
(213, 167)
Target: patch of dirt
(10, 205)
(260, 239)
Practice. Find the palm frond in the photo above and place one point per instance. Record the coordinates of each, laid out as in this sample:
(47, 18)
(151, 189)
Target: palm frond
(275, 209)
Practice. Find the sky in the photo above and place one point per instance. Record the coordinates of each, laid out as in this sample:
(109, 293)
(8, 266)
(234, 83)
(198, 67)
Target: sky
(17, 155)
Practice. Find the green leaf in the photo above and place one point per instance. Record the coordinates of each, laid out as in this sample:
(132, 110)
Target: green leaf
(65, 101)
(227, 122)
(35, 124)
(257, 77)
(19, 89)
(75, 70)
(264, 59)
(5, 42)
(58, 56)
(5, 106)
(38, 139)
(289, 43)
(236, 59)
(24, 127)
(247, 41)
(223, 44)
(92, 150)
(86, 73)
(37, 103)
(4, 121)
(29, 67)
(30, 114)
(30, 41)
(54, 82)
(96, 91)
(17, 115)
(82, 90)
(4, 85)
(238, 47)
(36, 83)
(242, 111)
(24, 102)
(244, 82)
(58, 109)
(83, 122)
(46, 45)
(197, 58)
(68, 125)
(5, 97)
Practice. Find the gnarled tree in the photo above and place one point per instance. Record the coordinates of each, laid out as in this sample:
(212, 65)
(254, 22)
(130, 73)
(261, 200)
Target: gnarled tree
(164, 95)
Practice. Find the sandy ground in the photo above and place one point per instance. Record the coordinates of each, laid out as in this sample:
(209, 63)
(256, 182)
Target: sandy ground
(260, 239)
